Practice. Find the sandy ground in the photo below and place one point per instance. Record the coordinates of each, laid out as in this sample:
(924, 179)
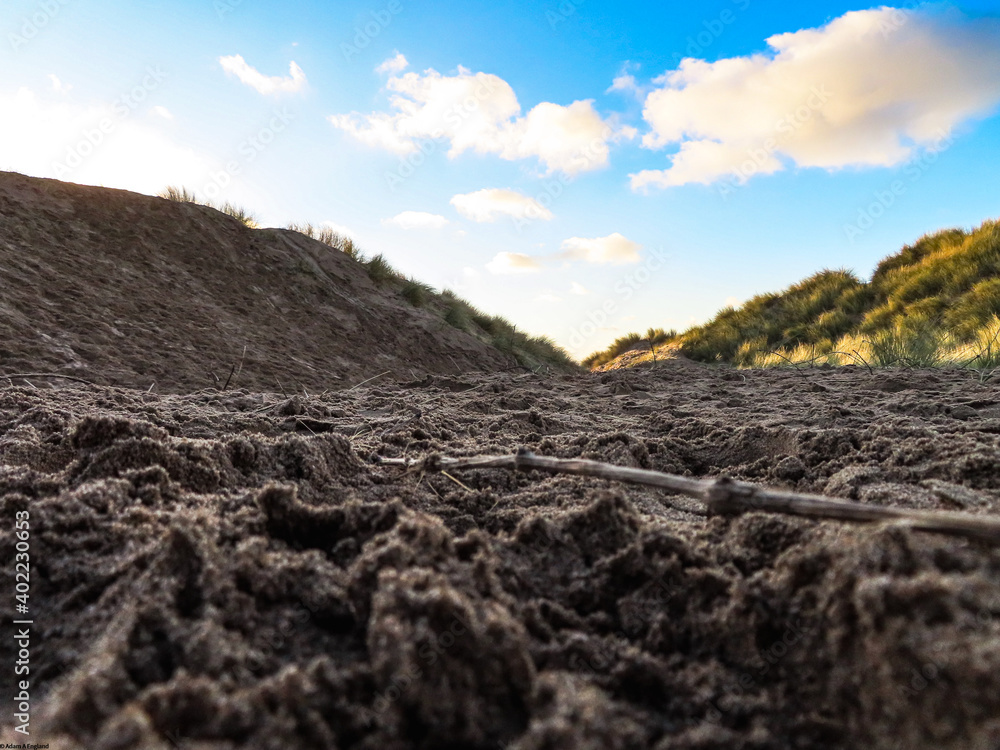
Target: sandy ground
(222, 570)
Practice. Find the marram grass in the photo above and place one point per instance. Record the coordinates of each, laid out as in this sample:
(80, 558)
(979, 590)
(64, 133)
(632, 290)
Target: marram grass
(933, 303)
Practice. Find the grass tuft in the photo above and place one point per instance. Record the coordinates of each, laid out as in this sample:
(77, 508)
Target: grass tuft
(183, 195)
(178, 194)
(380, 271)
(916, 343)
(456, 314)
(246, 218)
(307, 229)
(330, 238)
(417, 293)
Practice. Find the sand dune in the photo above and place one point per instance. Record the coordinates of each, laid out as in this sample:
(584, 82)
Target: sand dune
(130, 290)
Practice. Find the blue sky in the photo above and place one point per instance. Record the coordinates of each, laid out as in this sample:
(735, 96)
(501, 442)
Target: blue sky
(583, 168)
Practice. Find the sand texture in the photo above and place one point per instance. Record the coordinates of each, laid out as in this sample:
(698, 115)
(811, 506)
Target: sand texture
(221, 570)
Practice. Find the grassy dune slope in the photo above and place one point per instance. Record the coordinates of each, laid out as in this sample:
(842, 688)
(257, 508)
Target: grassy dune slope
(934, 302)
(123, 289)
(533, 352)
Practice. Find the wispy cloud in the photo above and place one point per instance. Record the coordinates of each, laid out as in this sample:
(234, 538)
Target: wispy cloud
(625, 81)
(480, 112)
(416, 220)
(579, 289)
(615, 249)
(513, 263)
(160, 111)
(393, 65)
(266, 85)
(489, 204)
(869, 89)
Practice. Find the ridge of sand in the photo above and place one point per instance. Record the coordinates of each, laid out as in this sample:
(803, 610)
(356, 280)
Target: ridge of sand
(127, 289)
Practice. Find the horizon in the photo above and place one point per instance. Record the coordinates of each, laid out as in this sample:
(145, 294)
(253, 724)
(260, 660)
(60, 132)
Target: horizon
(581, 170)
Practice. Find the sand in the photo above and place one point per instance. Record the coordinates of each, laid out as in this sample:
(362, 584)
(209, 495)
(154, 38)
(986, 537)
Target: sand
(231, 569)
(123, 289)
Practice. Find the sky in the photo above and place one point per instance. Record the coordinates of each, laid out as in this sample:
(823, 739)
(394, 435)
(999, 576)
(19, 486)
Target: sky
(584, 168)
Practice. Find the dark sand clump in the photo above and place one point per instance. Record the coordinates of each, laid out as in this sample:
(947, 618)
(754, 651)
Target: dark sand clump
(222, 570)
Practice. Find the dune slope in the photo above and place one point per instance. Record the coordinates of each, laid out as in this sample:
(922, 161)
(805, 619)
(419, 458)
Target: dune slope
(131, 290)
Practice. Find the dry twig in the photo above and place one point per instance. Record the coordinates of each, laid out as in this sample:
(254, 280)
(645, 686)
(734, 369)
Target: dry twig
(460, 484)
(231, 373)
(369, 380)
(725, 496)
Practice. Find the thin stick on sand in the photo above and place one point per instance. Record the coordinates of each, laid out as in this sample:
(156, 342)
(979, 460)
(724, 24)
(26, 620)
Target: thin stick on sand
(231, 372)
(234, 371)
(724, 496)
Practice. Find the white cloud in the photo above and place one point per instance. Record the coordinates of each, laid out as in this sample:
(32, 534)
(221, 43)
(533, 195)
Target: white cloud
(464, 109)
(47, 137)
(267, 85)
(705, 162)
(393, 65)
(569, 139)
(488, 204)
(614, 249)
(623, 82)
(511, 263)
(548, 298)
(161, 111)
(416, 220)
(479, 112)
(58, 86)
(869, 89)
(577, 288)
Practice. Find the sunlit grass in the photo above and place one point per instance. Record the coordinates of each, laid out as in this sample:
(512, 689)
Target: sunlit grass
(246, 218)
(178, 194)
(330, 238)
(907, 346)
(651, 342)
(183, 195)
(922, 306)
